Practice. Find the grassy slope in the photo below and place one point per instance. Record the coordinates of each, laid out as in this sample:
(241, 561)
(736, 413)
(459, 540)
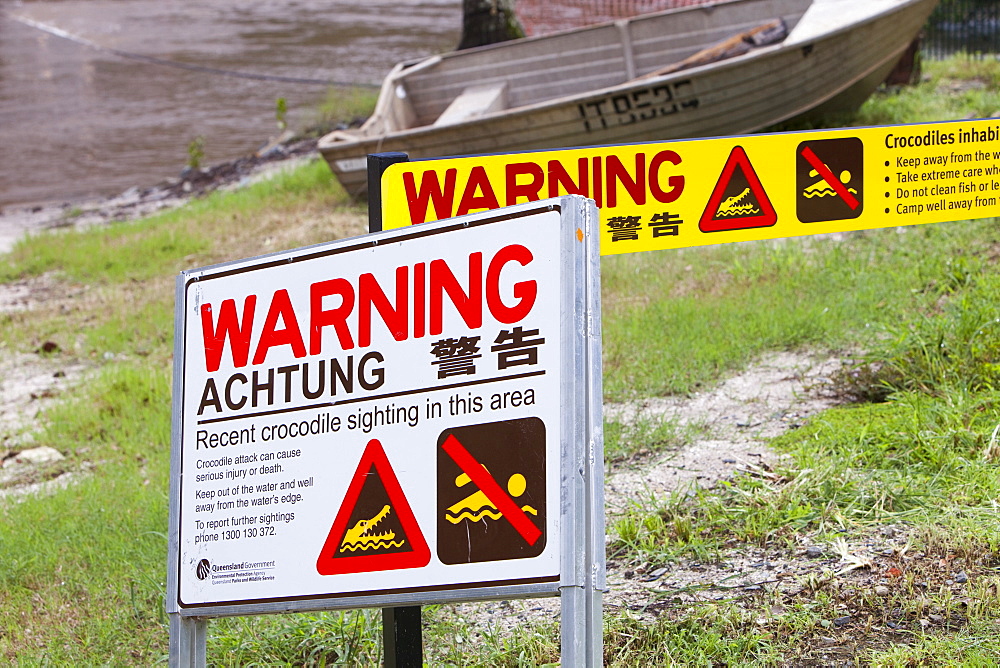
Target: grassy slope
(83, 576)
(83, 572)
(923, 303)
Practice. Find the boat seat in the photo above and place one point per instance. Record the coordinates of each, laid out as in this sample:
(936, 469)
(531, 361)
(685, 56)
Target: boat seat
(474, 101)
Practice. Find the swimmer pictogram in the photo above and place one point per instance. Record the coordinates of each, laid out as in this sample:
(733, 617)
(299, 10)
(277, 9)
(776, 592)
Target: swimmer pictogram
(375, 529)
(491, 491)
(738, 201)
(477, 506)
(829, 176)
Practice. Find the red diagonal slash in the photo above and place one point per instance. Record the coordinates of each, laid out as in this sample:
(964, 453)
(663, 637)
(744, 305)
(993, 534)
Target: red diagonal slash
(832, 180)
(484, 481)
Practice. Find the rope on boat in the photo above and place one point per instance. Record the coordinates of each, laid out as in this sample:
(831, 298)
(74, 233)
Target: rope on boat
(58, 32)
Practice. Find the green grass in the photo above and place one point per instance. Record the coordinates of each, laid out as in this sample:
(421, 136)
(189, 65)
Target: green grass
(350, 638)
(626, 439)
(84, 567)
(710, 636)
(970, 648)
(82, 581)
(342, 106)
(456, 641)
(675, 321)
(952, 89)
(107, 254)
(166, 243)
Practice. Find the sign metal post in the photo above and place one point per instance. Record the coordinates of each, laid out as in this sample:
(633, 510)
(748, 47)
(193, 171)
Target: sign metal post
(188, 635)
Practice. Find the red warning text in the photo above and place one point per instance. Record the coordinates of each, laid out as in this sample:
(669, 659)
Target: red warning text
(412, 304)
(606, 179)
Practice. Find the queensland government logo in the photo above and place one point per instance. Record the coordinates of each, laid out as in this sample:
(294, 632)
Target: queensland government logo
(203, 569)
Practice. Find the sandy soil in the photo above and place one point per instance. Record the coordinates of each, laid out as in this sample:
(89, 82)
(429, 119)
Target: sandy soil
(31, 381)
(738, 418)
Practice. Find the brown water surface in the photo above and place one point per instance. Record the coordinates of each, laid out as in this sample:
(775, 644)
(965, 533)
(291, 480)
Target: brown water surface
(81, 113)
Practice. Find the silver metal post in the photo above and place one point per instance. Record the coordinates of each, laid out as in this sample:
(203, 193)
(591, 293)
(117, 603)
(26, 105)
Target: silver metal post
(597, 573)
(187, 641)
(187, 634)
(582, 624)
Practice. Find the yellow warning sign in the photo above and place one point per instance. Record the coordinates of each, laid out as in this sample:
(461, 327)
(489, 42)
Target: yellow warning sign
(708, 191)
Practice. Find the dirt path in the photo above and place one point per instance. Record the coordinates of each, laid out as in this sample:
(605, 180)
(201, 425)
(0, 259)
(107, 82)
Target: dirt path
(735, 420)
(28, 383)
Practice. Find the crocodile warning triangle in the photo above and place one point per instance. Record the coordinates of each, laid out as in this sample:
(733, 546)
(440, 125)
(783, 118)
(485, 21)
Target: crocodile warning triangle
(374, 530)
(738, 201)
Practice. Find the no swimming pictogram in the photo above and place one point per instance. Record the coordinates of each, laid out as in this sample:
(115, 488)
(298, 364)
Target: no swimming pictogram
(738, 201)
(491, 492)
(375, 529)
(829, 175)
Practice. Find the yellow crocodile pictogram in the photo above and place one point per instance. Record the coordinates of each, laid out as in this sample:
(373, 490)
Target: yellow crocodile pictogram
(359, 537)
(732, 206)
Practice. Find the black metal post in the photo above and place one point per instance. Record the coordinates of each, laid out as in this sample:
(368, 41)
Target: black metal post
(402, 638)
(377, 164)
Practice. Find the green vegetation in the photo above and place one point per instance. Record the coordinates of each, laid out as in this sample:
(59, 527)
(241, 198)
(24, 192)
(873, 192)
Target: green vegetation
(196, 152)
(281, 113)
(707, 311)
(951, 89)
(343, 106)
(310, 639)
(624, 441)
(82, 581)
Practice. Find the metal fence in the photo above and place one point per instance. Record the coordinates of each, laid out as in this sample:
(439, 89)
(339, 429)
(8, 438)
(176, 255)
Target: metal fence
(956, 26)
(540, 17)
(963, 26)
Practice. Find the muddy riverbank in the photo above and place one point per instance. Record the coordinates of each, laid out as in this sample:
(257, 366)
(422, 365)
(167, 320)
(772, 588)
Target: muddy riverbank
(137, 202)
(98, 96)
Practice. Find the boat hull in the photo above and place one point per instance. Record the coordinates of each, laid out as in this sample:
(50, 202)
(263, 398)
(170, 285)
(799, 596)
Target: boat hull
(812, 70)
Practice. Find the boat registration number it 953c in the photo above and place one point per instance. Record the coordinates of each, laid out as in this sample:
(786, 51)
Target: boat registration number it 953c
(638, 105)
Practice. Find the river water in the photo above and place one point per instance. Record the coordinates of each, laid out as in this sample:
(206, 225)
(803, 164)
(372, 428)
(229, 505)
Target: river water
(85, 111)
